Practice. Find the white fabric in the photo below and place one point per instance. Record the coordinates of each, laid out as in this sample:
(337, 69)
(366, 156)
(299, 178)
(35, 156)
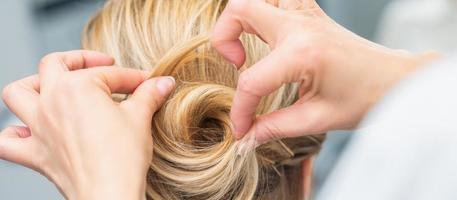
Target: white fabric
(407, 147)
(420, 25)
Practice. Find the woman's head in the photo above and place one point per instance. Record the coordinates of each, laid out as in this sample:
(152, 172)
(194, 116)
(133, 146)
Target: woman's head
(194, 150)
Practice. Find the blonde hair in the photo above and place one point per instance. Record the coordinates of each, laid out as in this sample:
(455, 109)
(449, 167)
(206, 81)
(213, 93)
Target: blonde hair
(194, 150)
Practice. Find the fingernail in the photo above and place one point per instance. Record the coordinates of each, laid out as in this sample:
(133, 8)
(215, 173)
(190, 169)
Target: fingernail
(234, 132)
(165, 85)
(247, 144)
(23, 132)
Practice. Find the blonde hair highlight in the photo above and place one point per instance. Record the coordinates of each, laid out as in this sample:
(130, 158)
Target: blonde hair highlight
(194, 150)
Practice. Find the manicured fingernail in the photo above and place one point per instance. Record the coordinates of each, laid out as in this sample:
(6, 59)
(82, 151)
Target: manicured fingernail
(165, 85)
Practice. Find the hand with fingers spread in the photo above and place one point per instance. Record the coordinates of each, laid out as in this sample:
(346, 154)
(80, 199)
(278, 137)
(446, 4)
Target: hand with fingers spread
(341, 74)
(90, 146)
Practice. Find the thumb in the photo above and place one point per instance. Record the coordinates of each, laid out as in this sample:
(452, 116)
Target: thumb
(15, 145)
(294, 121)
(150, 96)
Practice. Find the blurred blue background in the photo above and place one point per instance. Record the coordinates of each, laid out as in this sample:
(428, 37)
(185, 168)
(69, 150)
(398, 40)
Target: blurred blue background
(32, 28)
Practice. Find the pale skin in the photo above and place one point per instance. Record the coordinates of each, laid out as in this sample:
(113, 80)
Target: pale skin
(79, 138)
(341, 74)
(94, 148)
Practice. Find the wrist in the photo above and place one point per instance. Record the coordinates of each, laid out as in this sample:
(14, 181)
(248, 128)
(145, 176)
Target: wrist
(114, 187)
(112, 192)
(394, 65)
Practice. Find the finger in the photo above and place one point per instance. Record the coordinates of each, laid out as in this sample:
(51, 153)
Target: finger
(16, 132)
(14, 147)
(308, 119)
(21, 98)
(116, 79)
(294, 121)
(225, 39)
(149, 96)
(53, 65)
(32, 83)
(238, 17)
(261, 79)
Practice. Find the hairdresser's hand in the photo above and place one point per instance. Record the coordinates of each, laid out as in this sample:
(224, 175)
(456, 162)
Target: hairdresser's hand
(341, 74)
(90, 146)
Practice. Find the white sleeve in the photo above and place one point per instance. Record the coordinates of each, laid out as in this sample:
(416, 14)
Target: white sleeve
(407, 147)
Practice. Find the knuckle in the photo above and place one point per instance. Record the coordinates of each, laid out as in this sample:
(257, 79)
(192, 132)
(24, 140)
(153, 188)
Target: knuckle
(300, 43)
(69, 85)
(75, 82)
(48, 59)
(245, 82)
(307, 50)
(238, 6)
(216, 41)
(155, 104)
(143, 105)
(8, 91)
(5, 93)
(270, 131)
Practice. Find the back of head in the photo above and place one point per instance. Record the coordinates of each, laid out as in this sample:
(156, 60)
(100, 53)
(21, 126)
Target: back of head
(194, 150)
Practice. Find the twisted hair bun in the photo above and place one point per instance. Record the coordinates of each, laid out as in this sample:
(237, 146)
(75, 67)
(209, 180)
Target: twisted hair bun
(194, 150)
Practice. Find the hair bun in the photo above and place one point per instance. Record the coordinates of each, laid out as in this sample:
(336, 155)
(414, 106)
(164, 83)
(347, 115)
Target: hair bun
(202, 113)
(194, 150)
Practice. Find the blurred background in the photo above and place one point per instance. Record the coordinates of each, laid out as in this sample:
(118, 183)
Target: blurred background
(31, 29)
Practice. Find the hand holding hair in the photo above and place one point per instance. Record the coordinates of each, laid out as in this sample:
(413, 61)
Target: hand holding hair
(69, 112)
(341, 75)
